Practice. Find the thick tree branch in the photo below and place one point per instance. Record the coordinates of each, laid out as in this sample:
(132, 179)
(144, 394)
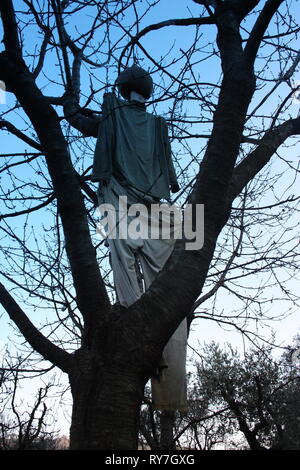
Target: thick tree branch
(35, 338)
(11, 36)
(75, 116)
(244, 426)
(256, 160)
(241, 9)
(57, 12)
(208, 4)
(80, 119)
(90, 290)
(42, 55)
(260, 28)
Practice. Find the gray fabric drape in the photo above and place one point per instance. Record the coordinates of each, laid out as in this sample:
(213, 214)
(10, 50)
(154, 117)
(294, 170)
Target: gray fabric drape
(134, 146)
(169, 388)
(133, 159)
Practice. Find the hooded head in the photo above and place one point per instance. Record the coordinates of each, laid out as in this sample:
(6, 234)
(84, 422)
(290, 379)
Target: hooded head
(135, 79)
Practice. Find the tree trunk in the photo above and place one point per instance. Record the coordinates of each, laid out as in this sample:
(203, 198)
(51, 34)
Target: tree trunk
(167, 423)
(106, 404)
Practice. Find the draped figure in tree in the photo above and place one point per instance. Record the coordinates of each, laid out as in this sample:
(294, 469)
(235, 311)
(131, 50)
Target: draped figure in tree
(133, 159)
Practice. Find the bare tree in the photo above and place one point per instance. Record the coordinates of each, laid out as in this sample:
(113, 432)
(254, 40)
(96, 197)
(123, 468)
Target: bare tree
(256, 395)
(200, 428)
(109, 353)
(23, 426)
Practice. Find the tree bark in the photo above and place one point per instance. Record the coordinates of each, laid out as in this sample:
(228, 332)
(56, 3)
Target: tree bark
(108, 388)
(167, 422)
(106, 405)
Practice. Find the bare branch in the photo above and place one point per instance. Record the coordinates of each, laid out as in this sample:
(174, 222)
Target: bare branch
(256, 160)
(35, 338)
(163, 24)
(259, 29)
(11, 128)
